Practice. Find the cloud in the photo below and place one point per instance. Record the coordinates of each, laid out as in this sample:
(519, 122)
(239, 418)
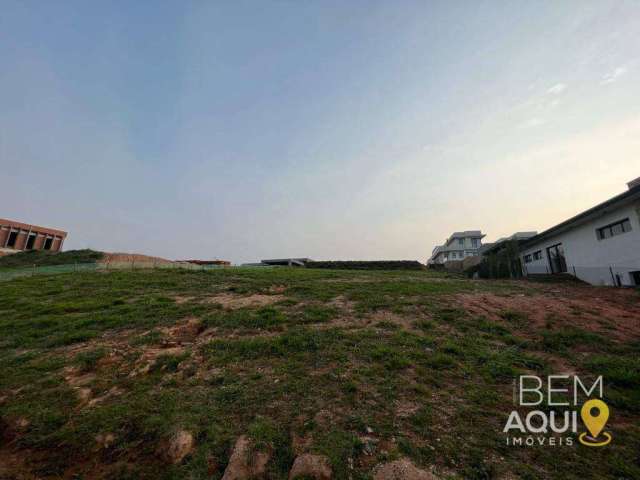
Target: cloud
(557, 89)
(614, 75)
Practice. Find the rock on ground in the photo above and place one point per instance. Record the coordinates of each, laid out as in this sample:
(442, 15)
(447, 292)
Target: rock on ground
(245, 463)
(311, 466)
(180, 446)
(105, 440)
(401, 469)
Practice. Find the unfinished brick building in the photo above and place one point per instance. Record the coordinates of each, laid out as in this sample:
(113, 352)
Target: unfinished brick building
(17, 237)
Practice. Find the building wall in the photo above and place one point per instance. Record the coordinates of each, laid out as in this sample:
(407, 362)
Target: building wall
(460, 255)
(466, 245)
(594, 260)
(24, 231)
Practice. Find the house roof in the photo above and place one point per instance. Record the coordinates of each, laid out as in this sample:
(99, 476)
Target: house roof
(286, 261)
(465, 234)
(599, 210)
(520, 237)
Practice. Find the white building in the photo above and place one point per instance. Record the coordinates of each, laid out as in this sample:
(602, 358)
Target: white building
(457, 247)
(600, 246)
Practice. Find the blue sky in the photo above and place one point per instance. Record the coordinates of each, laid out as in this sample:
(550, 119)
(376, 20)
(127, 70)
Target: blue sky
(333, 130)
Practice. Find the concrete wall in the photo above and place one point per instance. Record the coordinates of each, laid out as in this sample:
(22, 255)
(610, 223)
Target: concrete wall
(594, 260)
(24, 231)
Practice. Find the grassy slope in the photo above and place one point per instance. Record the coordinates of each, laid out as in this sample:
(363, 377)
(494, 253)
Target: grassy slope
(43, 257)
(392, 353)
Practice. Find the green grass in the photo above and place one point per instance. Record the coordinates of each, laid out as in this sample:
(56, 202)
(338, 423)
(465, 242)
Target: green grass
(566, 337)
(316, 365)
(267, 318)
(44, 257)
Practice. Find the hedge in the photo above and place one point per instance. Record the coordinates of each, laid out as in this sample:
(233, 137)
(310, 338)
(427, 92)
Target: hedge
(368, 265)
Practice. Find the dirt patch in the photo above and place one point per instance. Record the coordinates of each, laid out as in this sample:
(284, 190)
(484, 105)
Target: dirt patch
(390, 317)
(180, 445)
(350, 320)
(185, 332)
(401, 469)
(180, 299)
(307, 465)
(149, 356)
(245, 462)
(133, 258)
(113, 392)
(76, 378)
(231, 301)
(343, 304)
(617, 313)
(405, 409)
(277, 289)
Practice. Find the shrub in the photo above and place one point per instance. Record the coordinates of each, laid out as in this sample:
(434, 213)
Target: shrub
(369, 265)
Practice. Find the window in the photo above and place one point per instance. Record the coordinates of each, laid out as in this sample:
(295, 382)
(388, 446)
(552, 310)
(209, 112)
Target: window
(47, 243)
(30, 241)
(527, 258)
(454, 255)
(613, 229)
(461, 241)
(474, 242)
(537, 255)
(13, 236)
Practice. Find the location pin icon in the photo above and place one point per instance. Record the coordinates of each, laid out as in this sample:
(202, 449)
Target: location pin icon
(595, 423)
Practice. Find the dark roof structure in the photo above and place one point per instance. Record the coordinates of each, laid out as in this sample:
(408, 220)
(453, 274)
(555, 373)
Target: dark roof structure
(299, 262)
(520, 237)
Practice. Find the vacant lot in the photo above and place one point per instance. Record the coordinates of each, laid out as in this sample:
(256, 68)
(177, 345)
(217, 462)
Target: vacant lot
(155, 374)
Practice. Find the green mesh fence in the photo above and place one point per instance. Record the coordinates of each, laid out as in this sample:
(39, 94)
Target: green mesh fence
(10, 273)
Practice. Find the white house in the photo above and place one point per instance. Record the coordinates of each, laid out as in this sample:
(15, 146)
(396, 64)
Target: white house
(457, 247)
(600, 246)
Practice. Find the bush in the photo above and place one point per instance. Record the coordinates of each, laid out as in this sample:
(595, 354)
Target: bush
(369, 265)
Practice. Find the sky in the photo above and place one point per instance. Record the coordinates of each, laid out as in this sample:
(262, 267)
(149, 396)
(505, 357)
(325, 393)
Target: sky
(325, 129)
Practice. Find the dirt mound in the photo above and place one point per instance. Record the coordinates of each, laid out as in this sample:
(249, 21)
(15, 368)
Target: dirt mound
(311, 466)
(180, 445)
(245, 462)
(402, 469)
(132, 258)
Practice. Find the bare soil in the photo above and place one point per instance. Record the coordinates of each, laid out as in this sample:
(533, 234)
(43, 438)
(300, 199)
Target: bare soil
(616, 311)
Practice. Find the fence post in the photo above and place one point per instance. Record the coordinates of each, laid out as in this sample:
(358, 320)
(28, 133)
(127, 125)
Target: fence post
(613, 279)
(574, 271)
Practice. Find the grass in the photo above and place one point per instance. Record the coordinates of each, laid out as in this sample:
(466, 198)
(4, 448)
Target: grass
(313, 371)
(567, 337)
(44, 257)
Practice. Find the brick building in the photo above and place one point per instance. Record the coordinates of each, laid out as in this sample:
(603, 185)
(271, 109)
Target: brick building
(17, 237)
